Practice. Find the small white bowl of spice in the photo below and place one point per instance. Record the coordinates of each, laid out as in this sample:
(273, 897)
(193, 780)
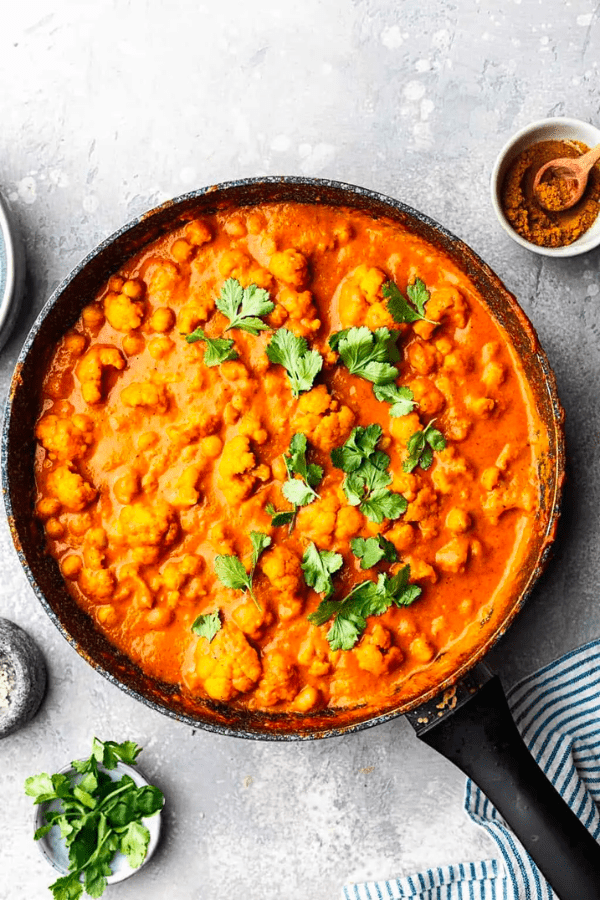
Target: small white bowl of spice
(22, 677)
(565, 233)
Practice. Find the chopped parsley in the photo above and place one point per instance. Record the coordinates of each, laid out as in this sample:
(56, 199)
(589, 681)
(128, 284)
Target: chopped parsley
(243, 306)
(367, 478)
(218, 350)
(367, 598)
(291, 352)
(369, 354)
(280, 516)
(420, 447)
(373, 550)
(318, 567)
(231, 572)
(400, 309)
(207, 625)
(300, 491)
(97, 817)
(401, 398)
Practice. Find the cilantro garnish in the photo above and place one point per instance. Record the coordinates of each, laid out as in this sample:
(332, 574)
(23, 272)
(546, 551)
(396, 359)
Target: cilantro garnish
(300, 491)
(318, 567)
(207, 625)
(420, 447)
(291, 352)
(280, 516)
(367, 598)
(231, 572)
(96, 816)
(218, 350)
(401, 398)
(367, 353)
(400, 309)
(242, 306)
(367, 478)
(373, 550)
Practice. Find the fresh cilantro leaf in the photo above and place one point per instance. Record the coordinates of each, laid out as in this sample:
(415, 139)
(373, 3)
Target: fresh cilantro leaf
(280, 517)
(399, 308)
(107, 753)
(420, 447)
(95, 878)
(291, 352)
(367, 598)
(149, 800)
(68, 887)
(40, 787)
(231, 572)
(242, 306)
(401, 398)
(207, 625)
(298, 492)
(42, 831)
(368, 354)
(367, 477)
(418, 295)
(218, 350)
(134, 844)
(373, 550)
(318, 567)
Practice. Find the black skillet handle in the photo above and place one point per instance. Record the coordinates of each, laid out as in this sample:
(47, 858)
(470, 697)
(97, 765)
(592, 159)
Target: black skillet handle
(481, 738)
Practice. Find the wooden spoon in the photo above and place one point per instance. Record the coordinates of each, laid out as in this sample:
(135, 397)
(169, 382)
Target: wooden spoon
(573, 173)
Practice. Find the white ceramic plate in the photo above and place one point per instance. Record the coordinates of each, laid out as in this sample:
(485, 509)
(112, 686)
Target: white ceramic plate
(55, 851)
(12, 271)
(558, 129)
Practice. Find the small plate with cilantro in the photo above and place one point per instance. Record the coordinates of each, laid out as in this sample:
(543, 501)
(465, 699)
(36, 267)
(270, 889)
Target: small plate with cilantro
(97, 821)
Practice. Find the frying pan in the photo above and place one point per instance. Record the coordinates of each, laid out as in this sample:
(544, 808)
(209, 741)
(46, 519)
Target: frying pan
(475, 730)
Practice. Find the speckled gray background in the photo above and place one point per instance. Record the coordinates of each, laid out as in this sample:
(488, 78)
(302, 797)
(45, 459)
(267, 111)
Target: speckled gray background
(107, 108)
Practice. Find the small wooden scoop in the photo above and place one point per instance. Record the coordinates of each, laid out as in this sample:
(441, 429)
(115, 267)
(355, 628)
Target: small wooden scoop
(571, 175)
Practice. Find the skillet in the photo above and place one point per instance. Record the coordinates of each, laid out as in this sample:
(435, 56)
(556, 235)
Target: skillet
(474, 729)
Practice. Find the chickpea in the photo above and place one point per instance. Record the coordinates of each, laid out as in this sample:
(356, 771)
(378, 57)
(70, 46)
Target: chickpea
(107, 615)
(92, 316)
(148, 439)
(421, 649)
(458, 520)
(490, 477)
(181, 250)
(133, 344)
(160, 617)
(307, 698)
(80, 524)
(115, 283)
(162, 319)
(70, 566)
(54, 528)
(97, 537)
(47, 507)
(255, 223)
(134, 288)
(160, 347)
(74, 343)
(127, 487)
(197, 233)
(235, 227)
(211, 446)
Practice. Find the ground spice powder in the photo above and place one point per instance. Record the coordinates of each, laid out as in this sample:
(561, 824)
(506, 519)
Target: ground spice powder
(526, 215)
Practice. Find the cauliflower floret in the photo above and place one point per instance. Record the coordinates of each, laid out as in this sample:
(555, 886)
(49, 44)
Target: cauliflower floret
(97, 584)
(90, 369)
(299, 311)
(324, 421)
(149, 530)
(423, 507)
(452, 557)
(123, 312)
(228, 665)
(238, 472)
(186, 492)
(289, 266)
(375, 654)
(70, 489)
(316, 654)
(317, 521)
(279, 681)
(249, 618)
(65, 438)
(163, 278)
(361, 300)
(282, 568)
(348, 523)
(147, 394)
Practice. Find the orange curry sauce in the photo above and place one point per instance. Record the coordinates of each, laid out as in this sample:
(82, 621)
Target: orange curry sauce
(150, 463)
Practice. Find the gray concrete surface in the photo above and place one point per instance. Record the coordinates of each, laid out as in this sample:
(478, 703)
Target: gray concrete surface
(107, 108)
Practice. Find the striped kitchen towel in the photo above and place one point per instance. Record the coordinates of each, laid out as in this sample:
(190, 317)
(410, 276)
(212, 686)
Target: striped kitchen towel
(557, 711)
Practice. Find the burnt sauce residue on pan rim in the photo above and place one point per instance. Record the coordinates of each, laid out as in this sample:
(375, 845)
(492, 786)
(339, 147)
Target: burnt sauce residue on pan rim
(64, 307)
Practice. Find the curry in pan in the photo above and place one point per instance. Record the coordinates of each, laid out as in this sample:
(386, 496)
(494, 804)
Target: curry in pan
(288, 460)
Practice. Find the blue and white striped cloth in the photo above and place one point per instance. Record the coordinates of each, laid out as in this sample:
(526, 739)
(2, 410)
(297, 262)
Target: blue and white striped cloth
(557, 711)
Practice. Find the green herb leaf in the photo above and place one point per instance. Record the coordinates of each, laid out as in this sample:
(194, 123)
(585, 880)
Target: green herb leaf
(207, 625)
(318, 567)
(134, 844)
(401, 398)
(420, 447)
(367, 477)
(291, 352)
(368, 354)
(40, 787)
(298, 493)
(367, 598)
(107, 753)
(68, 887)
(242, 306)
(400, 309)
(231, 572)
(373, 550)
(218, 350)
(280, 517)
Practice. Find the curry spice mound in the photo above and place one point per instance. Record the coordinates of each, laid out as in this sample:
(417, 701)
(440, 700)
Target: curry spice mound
(525, 213)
